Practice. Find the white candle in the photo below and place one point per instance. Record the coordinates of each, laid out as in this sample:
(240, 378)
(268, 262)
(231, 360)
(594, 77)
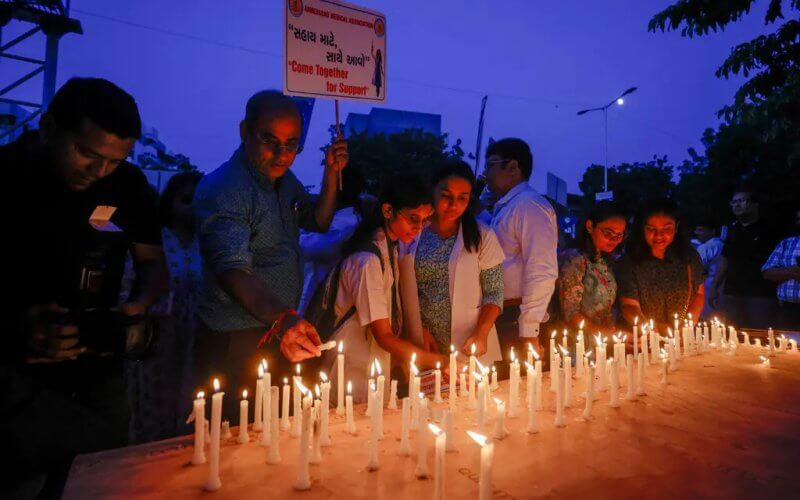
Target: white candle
(257, 417)
(640, 379)
(463, 382)
(340, 380)
(199, 456)
(438, 464)
(587, 410)
(421, 471)
(374, 428)
(453, 372)
(500, 431)
(450, 441)
(325, 436)
(266, 404)
(746, 339)
(472, 360)
(513, 396)
(274, 456)
(629, 378)
(481, 401)
(405, 420)
(567, 374)
(495, 384)
(377, 403)
(643, 339)
(564, 339)
(537, 367)
(600, 356)
(672, 354)
(214, 483)
(297, 415)
(553, 381)
(530, 390)
(286, 402)
(226, 430)
(393, 395)
(636, 336)
(244, 437)
(316, 430)
(303, 480)
(614, 392)
(558, 373)
(413, 390)
(487, 455)
(437, 384)
(579, 353)
(350, 426)
(664, 357)
(370, 382)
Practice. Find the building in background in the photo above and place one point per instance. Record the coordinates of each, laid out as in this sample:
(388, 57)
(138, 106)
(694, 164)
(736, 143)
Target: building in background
(156, 161)
(392, 121)
(11, 116)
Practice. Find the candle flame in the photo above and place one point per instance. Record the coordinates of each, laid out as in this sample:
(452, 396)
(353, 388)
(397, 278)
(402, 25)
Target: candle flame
(473, 349)
(563, 351)
(580, 327)
(477, 376)
(494, 370)
(588, 355)
(636, 320)
(244, 394)
(303, 389)
(464, 370)
(512, 355)
(414, 369)
(528, 367)
(316, 390)
(553, 335)
(498, 401)
(764, 359)
(478, 438)
(452, 348)
(349, 387)
(535, 354)
(413, 358)
(372, 369)
(285, 380)
(216, 385)
(421, 395)
(435, 429)
(201, 395)
(323, 377)
(260, 371)
(341, 346)
(438, 365)
(378, 367)
(297, 368)
(264, 364)
(625, 337)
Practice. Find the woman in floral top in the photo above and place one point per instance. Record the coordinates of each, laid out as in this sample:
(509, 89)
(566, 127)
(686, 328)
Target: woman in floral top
(586, 285)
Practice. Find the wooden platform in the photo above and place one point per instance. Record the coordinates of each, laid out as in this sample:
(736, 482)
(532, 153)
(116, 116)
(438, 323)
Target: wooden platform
(725, 427)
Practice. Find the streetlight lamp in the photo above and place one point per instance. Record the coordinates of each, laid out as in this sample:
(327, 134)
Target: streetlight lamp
(619, 101)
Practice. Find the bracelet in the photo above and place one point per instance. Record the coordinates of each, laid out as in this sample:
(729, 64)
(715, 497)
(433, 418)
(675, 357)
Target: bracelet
(276, 326)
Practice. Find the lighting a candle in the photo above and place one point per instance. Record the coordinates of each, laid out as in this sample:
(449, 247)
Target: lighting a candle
(297, 414)
(199, 456)
(438, 464)
(487, 455)
(244, 437)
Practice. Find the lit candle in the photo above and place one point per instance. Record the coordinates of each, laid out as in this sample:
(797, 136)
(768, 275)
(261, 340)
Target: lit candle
(530, 379)
(600, 356)
(393, 395)
(438, 464)
(405, 423)
(636, 336)
(303, 481)
(340, 380)
(297, 415)
(274, 456)
(374, 428)
(537, 367)
(664, 357)
(567, 371)
(629, 378)
(421, 471)
(513, 396)
(226, 430)
(487, 454)
(672, 353)
(214, 483)
(643, 339)
(266, 404)
(258, 421)
(437, 391)
(286, 402)
(579, 352)
(463, 382)
(350, 426)
(450, 441)
(380, 392)
(587, 410)
(782, 347)
(199, 456)
(414, 389)
(370, 401)
(244, 437)
(495, 384)
(325, 435)
(558, 374)
(500, 431)
(472, 359)
(316, 429)
(453, 372)
(613, 401)
(553, 380)
(481, 400)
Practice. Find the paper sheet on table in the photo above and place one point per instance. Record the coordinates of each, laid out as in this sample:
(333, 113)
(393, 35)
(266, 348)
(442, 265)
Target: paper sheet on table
(410, 300)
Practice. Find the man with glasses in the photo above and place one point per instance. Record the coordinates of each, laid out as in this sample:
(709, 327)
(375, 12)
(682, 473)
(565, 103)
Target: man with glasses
(76, 210)
(249, 213)
(709, 246)
(747, 299)
(525, 224)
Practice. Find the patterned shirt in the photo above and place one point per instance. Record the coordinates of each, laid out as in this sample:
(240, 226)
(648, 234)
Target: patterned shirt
(786, 254)
(246, 223)
(587, 287)
(432, 266)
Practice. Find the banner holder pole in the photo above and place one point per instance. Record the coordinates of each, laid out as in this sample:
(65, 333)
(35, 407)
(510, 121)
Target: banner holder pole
(338, 134)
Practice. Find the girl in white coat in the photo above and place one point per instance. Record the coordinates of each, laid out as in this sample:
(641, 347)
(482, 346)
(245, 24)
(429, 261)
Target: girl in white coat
(368, 295)
(458, 268)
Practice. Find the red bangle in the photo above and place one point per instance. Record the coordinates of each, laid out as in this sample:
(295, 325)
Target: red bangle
(276, 326)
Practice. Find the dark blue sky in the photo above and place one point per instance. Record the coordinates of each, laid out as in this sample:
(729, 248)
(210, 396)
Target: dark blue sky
(540, 62)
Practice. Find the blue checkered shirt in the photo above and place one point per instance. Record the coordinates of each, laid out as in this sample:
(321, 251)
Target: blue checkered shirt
(246, 223)
(785, 255)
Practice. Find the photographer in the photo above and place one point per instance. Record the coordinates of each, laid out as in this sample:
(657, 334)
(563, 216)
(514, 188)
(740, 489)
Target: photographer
(81, 209)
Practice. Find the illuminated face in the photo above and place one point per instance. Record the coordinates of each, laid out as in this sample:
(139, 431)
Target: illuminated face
(498, 173)
(405, 224)
(607, 234)
(89, 155)
(659, 232)
(451, 197)
(272, 142)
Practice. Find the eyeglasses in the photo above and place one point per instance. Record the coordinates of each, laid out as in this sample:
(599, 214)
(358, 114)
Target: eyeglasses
(291, 147)
(611, 235)
(734, 203)
(495, 163)
(413, 219)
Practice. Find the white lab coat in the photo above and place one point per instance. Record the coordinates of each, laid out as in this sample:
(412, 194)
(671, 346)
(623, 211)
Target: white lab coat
(362, 283)
(465, 289)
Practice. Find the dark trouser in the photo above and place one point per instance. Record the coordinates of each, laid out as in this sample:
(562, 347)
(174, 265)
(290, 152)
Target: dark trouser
(507, 325)
(750, 312)
(790, 316)
(233, 358)
(53, 413)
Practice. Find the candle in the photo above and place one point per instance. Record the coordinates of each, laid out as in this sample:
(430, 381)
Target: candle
(374, 428)
(746, 339)
(587, 410)
(414, 389)
(257, 417)
(495, 384)
(530, 379)
(643, 339)
(377, 403)
(579, 353)
(567, 372)
(636, 336)
(553, 380)
(765, 362)
(664, 357)
(340, 380)
(214, 482)
(316, 429)
(782, 347)
(600, 356)
(463, 382)
(437, 384)
(472, 360)
(303, 480)
(297, 415)
(226, 430)
(350, 426)
(438, 463)
(199, 456)
(244, 437)
(393, 395)
(450, 441)
(672, 353)
(513, 396)
(325, 436)
(629, 378)
(453, 372)
(370, 381)
(405, 421)
(421, 471)
(500, 431)
(558, 374)
(285, 414)
(537, 368)
(487, 454)
(614, 392)
(274, 456)
(481, 401)
(266, 404)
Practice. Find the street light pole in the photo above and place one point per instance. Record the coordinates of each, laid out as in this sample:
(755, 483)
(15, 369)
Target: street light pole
(604, 109)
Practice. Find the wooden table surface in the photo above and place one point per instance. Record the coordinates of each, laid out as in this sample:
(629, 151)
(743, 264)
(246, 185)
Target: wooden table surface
(724, 427)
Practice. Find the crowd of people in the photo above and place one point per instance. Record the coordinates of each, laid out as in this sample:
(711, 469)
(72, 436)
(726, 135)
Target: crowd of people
(226, 269)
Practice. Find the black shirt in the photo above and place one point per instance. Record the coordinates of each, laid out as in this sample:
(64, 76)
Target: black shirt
(55, 254)
(747, 248)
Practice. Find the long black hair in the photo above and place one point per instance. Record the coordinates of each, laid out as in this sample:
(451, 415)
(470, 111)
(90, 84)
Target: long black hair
(600, 212)
(469, 224)
(637, 247)
(400, 192)
(175, 184)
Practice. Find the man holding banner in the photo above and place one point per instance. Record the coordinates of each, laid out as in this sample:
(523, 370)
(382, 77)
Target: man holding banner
(249, 213)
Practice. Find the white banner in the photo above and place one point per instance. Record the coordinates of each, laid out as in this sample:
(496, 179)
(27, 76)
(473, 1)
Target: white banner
(335, 50)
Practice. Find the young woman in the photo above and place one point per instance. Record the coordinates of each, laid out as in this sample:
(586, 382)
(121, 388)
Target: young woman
(367, 298)
(458, 269)
(587, 288)
(661, 274)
